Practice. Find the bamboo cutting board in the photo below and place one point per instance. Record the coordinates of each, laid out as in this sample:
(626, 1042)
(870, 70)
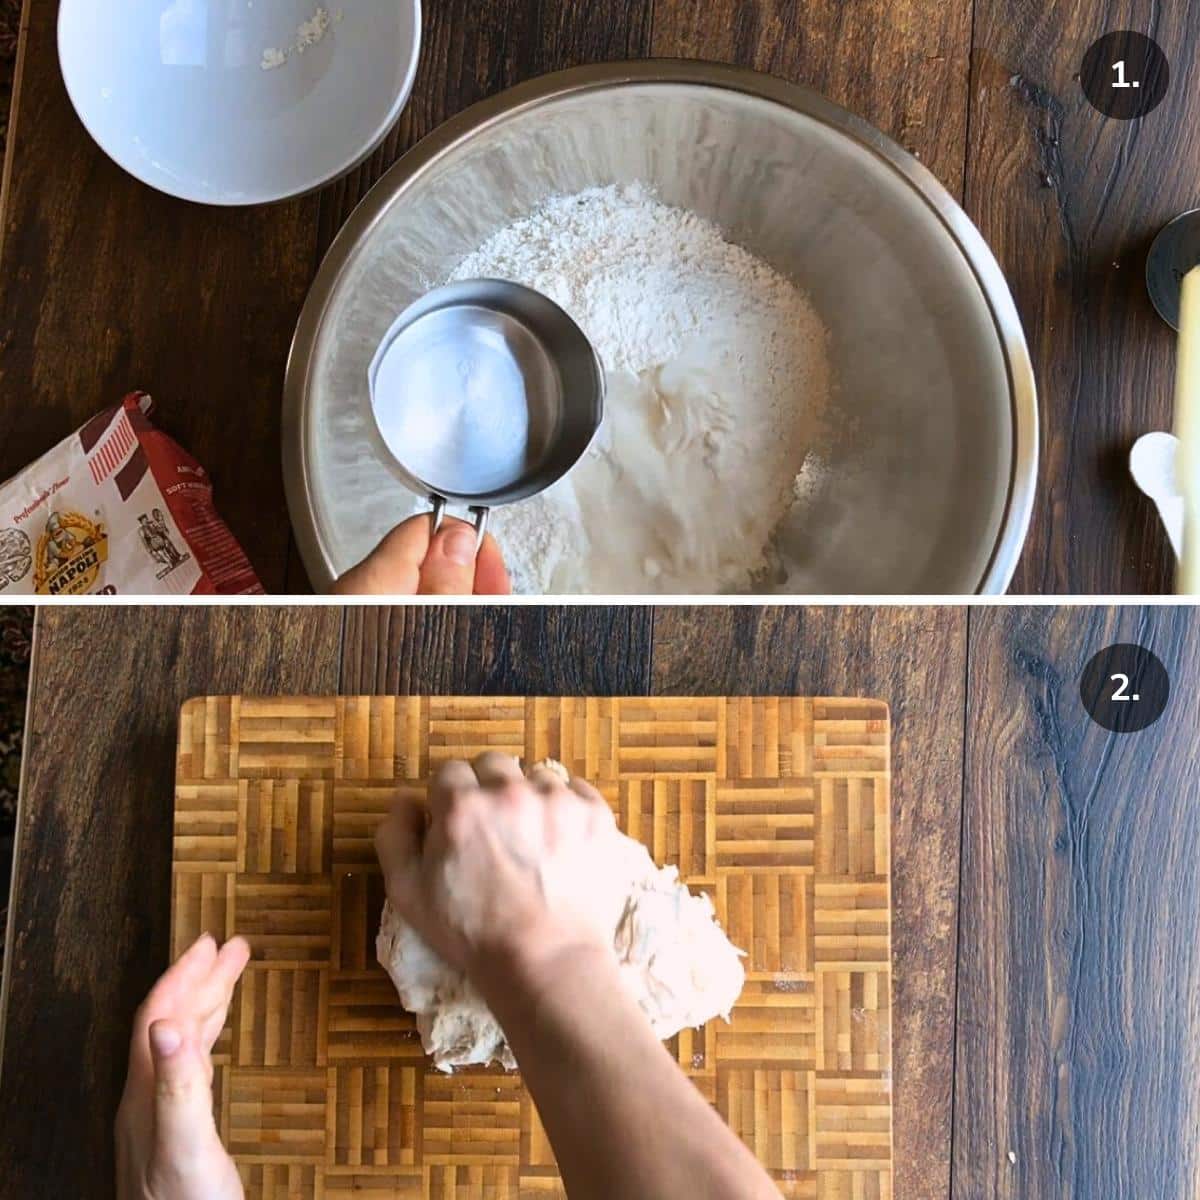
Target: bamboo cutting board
(777, 808)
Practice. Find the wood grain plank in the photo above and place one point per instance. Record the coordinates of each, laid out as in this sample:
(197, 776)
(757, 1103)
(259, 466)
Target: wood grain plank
(1079, 964)
(901, 64)
(91, 901)
(1069, 202)
(107, 286)
(519, 650)
(914, 658)
(12, 64)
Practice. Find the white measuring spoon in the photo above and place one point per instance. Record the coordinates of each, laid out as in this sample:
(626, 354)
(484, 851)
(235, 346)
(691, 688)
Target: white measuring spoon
(1152, 463)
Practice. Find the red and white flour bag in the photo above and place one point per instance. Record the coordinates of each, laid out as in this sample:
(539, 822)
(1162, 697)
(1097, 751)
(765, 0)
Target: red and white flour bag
(117, 509)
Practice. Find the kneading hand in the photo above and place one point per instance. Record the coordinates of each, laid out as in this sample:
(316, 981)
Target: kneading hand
(167, 1142)
(501, 878)
(499, 870)
(410, 562)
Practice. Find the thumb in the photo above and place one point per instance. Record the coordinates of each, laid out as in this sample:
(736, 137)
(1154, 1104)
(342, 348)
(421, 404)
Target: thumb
(449, 567)
(183, 1106)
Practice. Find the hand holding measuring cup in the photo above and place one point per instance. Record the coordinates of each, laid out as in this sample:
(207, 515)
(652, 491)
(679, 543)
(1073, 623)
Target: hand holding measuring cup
(414, 560)
(483, 393)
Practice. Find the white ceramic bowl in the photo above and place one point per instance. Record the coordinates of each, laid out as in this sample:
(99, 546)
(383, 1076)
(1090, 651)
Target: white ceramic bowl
(175, 92)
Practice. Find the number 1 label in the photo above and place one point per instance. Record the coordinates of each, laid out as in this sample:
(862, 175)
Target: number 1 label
(1119, 67)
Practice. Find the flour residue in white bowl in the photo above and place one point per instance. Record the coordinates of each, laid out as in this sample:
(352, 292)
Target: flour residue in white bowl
(309, 33)
(718, 377)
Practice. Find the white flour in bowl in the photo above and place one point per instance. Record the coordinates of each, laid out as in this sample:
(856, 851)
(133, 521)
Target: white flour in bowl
(717, 379)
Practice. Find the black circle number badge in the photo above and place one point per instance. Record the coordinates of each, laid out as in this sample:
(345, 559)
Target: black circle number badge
(1125, 75)
(1125, 688)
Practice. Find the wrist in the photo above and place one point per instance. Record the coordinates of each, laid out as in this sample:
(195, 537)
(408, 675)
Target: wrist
(532, 969)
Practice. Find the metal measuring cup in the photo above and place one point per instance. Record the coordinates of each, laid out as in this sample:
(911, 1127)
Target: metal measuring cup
(485, 393)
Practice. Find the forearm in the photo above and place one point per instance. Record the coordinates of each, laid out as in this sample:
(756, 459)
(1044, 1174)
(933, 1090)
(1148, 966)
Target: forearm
(622, 1117)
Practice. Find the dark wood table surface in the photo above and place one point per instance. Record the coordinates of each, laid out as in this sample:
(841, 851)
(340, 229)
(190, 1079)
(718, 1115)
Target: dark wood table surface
(1047, 886)
(107, 286)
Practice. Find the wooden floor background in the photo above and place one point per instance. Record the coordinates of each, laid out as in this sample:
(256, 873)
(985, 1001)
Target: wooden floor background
(1046, 880)
(106, 286)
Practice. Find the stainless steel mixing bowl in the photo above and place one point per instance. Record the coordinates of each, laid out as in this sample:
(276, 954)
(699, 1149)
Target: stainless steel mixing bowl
(930, 448)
